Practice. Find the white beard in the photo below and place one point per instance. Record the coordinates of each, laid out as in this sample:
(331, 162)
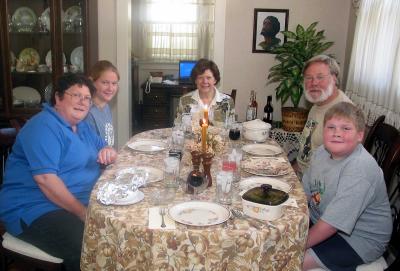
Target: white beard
(325, 94)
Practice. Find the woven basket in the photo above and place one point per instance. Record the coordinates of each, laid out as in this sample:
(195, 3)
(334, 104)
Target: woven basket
(294, 119)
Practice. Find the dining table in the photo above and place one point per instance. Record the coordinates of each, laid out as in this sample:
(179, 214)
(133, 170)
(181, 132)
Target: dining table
(119, 237)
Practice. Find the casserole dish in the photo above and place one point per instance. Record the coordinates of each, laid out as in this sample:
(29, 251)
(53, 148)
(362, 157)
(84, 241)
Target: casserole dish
(264, 202)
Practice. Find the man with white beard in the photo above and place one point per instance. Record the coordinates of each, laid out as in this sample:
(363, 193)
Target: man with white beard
(321, 82)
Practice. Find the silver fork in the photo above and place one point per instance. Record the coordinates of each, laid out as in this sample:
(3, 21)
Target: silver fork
(162, 213)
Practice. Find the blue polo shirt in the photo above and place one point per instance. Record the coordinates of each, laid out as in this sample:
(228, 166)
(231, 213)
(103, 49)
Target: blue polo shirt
(47, 144)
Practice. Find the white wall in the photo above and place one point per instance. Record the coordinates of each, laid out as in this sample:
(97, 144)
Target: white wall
(114, 45)
(240, 68)
(247, 71)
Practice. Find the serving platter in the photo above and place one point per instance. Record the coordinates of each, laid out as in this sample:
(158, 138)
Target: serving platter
(265, 166)
(153, 174)
(148, 145)
(199, 213)
(262, 149)
(131, 198)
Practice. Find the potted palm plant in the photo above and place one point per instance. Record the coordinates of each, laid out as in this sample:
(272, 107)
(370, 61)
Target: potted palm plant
(299, 47)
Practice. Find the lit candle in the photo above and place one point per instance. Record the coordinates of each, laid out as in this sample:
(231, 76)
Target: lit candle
(206, 114)
(204, 136)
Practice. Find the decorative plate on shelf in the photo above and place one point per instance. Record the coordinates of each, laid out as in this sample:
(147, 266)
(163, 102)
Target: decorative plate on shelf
(12, 59)
(48, 59)
(29, 57)
(24, 19)
(72, 13)
(26, 94)
(77, 58)
(45, 18)
(199, 213)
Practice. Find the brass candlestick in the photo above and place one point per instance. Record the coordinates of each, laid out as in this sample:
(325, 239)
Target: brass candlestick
(207, 161)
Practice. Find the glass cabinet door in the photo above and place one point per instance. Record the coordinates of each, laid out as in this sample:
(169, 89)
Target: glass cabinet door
(30, 52)
(73, 35)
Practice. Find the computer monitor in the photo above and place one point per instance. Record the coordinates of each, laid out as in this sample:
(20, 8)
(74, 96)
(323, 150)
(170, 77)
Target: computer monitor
(185, 70)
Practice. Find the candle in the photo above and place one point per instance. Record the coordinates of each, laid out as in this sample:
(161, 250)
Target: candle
(204, 136)
(206, 114)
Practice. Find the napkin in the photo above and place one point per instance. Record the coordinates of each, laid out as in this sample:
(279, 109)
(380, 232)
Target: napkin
(155, 220)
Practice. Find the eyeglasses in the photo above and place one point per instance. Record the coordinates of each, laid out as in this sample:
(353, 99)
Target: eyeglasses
(77, 97)
(317, 78)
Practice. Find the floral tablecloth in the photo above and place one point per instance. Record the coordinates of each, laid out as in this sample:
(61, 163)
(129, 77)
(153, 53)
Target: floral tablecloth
(118, 237)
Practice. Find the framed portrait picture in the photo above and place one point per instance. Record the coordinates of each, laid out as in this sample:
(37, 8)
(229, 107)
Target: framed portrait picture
(266, 30)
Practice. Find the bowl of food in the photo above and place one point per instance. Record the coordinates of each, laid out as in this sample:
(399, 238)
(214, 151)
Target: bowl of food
(256, 130)
(264, 202)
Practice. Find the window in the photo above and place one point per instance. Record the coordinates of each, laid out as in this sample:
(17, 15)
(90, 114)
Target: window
(173, 30)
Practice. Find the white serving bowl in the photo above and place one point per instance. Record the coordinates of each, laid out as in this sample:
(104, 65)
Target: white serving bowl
(256, 130)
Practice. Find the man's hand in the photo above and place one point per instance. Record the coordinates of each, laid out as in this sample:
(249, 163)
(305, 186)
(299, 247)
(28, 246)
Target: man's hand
(107, 155)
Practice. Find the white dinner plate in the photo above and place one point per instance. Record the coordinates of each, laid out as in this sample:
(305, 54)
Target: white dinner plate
(26, 94)
(154, 174)
(131, 198)
(262, 149)
(266, 166)
(199, 213)
(251, 182)
(77, 58)
(148, 145)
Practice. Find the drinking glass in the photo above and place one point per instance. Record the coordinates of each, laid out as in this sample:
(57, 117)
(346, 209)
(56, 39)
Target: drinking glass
(198, 182)
(171, 172)
(235, 131)
(224, 187)
(187, 123)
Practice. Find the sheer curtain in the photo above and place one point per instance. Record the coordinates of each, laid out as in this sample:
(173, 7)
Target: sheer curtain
(172, 30)
(374, 73)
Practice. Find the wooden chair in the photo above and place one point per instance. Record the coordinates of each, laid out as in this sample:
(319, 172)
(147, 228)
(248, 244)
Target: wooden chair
(233, 95)
(380, 139)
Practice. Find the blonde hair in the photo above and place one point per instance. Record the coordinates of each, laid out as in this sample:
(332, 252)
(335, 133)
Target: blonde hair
(101, 66)
(348, 111)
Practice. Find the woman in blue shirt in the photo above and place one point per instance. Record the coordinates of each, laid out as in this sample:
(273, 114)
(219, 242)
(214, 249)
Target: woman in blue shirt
(51, 171)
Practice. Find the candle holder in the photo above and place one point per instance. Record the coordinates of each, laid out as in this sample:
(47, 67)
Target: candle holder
(207, 161)
(195, 177)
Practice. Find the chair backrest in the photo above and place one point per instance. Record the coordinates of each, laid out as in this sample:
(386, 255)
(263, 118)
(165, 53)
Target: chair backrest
(380, 139)
(391, 170)
(233, 95)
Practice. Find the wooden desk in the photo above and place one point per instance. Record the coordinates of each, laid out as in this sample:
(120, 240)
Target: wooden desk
(159, 106)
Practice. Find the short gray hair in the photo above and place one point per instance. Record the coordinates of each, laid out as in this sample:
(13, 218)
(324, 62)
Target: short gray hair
(331, 62)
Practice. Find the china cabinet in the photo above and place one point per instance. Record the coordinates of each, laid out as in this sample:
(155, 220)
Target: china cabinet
(39, 41)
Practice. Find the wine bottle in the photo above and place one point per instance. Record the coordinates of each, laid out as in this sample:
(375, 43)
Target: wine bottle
(251, 112)
(268, 111)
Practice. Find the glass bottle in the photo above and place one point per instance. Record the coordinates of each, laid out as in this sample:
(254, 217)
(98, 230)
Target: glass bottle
(251, 112)
(268, 111)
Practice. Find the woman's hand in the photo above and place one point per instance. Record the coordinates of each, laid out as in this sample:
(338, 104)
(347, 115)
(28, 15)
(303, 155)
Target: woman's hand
(107, 155)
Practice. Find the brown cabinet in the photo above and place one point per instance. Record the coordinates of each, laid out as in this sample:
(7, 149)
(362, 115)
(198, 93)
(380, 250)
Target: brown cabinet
(159, 104)
(39, 41)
